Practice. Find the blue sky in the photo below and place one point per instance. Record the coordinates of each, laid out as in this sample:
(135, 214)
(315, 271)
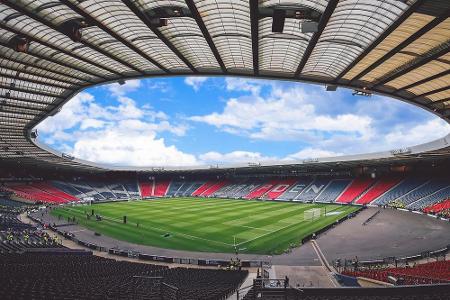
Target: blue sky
(181, 121)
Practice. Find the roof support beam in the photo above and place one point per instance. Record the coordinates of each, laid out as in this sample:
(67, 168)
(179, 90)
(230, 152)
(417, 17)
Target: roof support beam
(21, 113)
(381, 38)
(19, 89)
(432, 92)
(403, 44)
(425, 80)
(17, 77)
(2, 117)
(35, 17)
(26, 100)
(441, 101)
(254, 19)
(206, 35)
(116, 36)
(144, 18)
(14, 105)
(10, 128)
(48, 45)
(444, 50)
(43, 69)
(315, 38)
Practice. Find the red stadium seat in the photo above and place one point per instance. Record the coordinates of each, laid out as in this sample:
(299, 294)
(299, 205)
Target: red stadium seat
(279, 188)
(356, 188)
(161, 187)
(214, 188)
(378, 189)
(261, 190)
(203, 188)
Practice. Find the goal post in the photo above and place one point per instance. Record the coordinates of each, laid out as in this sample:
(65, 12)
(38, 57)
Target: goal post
(312, 214)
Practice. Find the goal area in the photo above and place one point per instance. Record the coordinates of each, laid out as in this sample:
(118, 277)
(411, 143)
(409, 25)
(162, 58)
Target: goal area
(312, 214)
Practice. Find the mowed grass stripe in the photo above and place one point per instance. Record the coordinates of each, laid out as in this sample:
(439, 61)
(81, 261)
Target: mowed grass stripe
(114, 227)
(291, 234)
(209, 225)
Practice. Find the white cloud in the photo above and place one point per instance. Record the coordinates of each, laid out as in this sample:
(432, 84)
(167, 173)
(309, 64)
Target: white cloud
(245, 85)
(285, 114)
(402, 135)
(195, 81)
(91, 123)
(234, 157)
(70, 114)
(122, 134)
(161, 86)
(120, 90)
(129, 144)
(324, 125)
(311, 153)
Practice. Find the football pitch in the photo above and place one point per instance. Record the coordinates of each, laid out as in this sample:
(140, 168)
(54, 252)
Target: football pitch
(208, 225)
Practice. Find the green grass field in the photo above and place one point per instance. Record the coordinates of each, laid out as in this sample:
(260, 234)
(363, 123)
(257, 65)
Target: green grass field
(208, 225)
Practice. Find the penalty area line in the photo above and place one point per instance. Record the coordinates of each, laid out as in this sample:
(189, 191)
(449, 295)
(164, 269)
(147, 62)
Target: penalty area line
(271, 232)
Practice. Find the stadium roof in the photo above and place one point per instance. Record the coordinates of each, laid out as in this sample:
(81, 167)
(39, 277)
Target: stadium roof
(51, 50)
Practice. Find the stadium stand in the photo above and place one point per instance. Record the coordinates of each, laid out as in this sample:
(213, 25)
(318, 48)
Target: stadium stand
(313, 190)
(119, 191)
(203, 188)
(434, 292)
(412, 193)
(433, 272)
(83, 276)
(333, 190)
(185, 188)
(399, 190)
(435, 197)
(424, 190)
(247, 189)
(214, 188)
(146, 188)
(355, 189)
(279, 189)
(101, 188)
(229, 190)
(194, 186)
(379, 188)
(49, 189)
(262, 189)
(438, 207)
(295, 190)
(68, 188)
(16, 236)
(174, 186)
(131, 187)
(161, 187)
(27, 191)
(10, 203)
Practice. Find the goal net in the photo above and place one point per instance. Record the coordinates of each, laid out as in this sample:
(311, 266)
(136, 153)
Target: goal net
(312, 214)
